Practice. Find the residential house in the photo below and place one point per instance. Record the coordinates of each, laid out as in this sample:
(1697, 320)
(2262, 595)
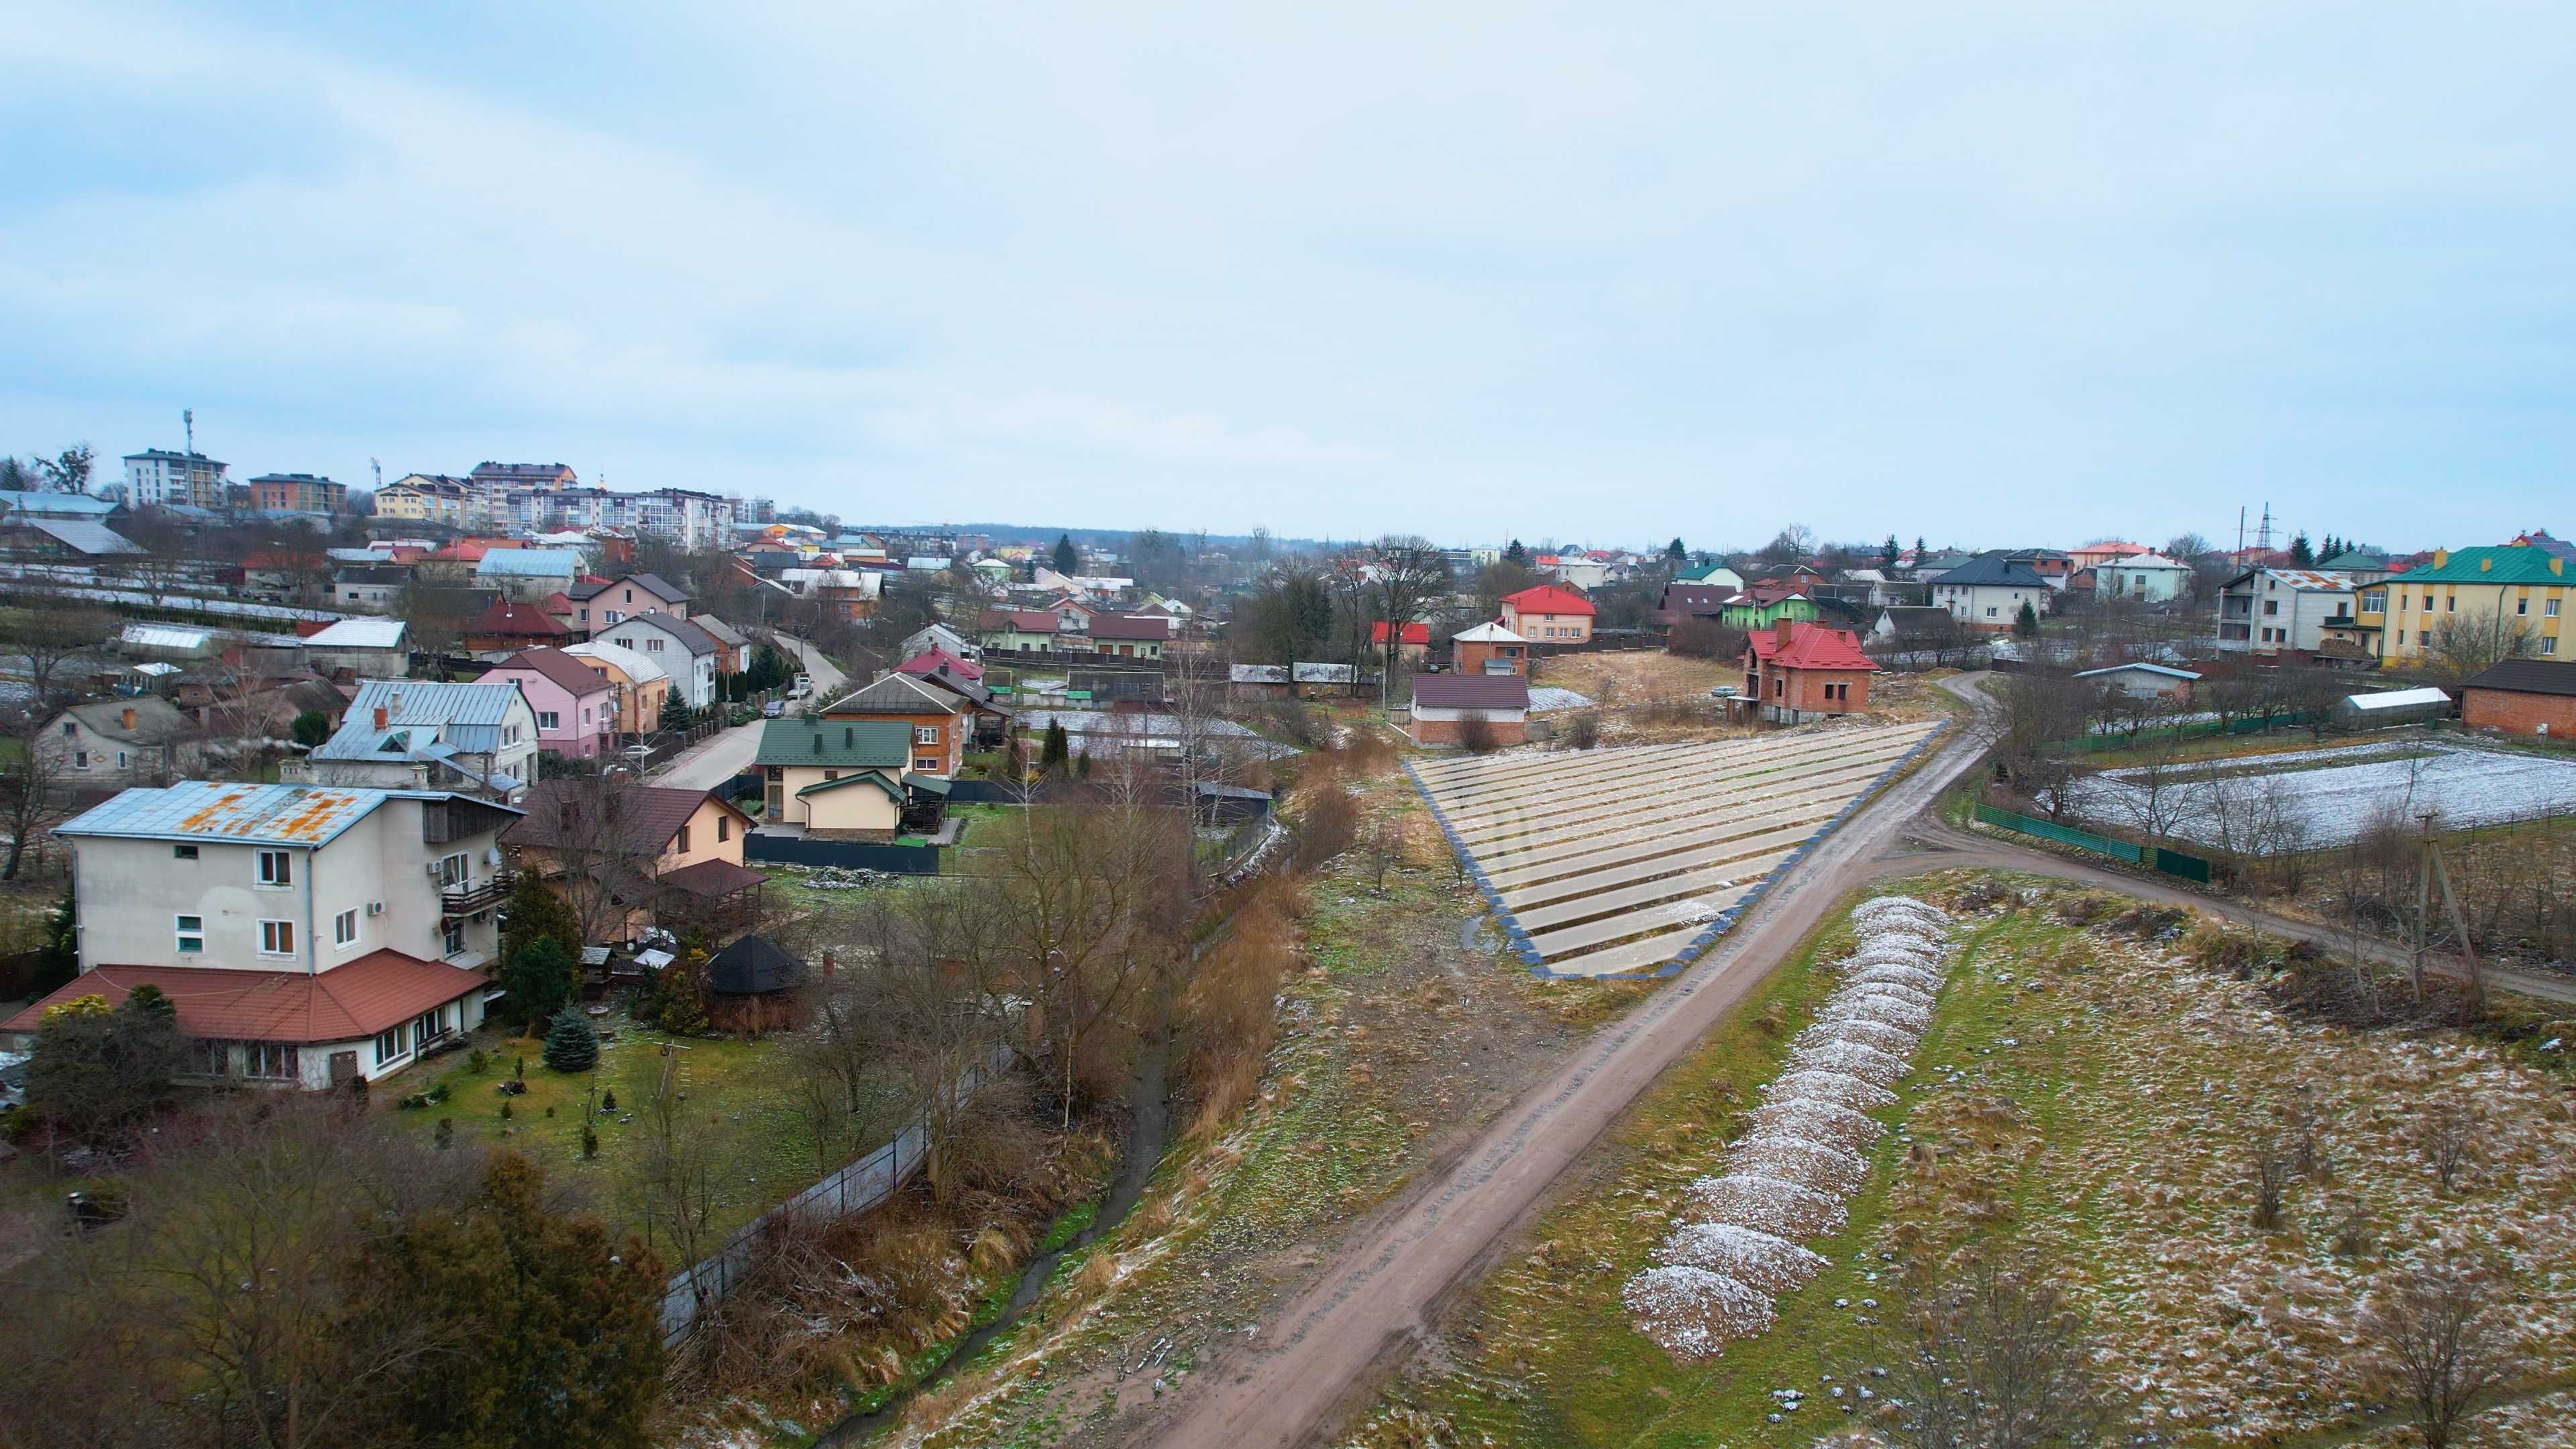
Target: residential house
(939, 637)
(2139, 680)
(2366, 566)
(625, 596)
(638, 684)
(159, 478)
(2274, 611)
(425, 498)
(630, 856)
(1987, 592)
(1488, 648)
(306, 934)
(837, 779)
(414, 734)
(2148, 578)
(941, 662)
(1018, 631)
(1913, 624)
(360, 647)
(575, 707)
(17, 503)
(686, 653)
(246, 705)
(1574, 570)
(113, 743)
(2094, 555)
(1929, 567)
(733, 650)
(507, 628)
(374, 588)
(1413, 642)
(1711, 575)
(1548, 614)
(2524, 697)
(1443, 702)
(1764, 602)
(2511, 591)
(941, 720)
(1130, 636)
(751, 986)
(1797, 672)
(850, 594)
(526, 575)
(2053, 567)
(298, 493)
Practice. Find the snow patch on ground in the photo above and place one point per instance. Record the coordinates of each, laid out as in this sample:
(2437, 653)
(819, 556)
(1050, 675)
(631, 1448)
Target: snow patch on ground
(2329, 797)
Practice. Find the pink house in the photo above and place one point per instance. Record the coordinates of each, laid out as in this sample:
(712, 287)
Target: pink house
(576, 707)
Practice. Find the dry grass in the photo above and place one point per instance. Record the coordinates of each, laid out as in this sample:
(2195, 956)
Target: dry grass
(1634, 677)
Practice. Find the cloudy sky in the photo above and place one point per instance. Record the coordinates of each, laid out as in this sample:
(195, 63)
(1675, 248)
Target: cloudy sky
(1604, 272)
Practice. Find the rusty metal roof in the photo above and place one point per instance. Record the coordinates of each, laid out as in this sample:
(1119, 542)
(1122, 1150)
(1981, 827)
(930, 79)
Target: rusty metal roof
(217, 810)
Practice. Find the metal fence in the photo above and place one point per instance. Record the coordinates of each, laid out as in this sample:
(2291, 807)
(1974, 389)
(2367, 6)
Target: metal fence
(848, 854)
(2191, 729)
(2168, 862)
(854, 1189)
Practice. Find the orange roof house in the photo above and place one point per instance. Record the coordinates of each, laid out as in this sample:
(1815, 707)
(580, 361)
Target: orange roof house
(1548, 614)
(1794, 672)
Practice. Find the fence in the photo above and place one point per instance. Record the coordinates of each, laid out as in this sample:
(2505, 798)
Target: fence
(2190, 729)
(2169, 862)
(854, 1189)
(760, 845)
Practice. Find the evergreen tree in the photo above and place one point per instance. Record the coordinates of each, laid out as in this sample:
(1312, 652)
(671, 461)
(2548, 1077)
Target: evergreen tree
(1887, 553)
(97, 1071)
(2026, 623)
(1052, 757)
(1676, 553)
(536, 981)
(311, 728)
(534, 912)
(2301, 555)
(571, 1046)
(1919, 549)
(1067, 562)
(58, 960)
(1516, 554)
(678, 1001)
(549, 1324)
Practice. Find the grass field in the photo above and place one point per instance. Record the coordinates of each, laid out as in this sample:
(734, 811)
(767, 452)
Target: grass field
(2092, 1100)
(735, 1092)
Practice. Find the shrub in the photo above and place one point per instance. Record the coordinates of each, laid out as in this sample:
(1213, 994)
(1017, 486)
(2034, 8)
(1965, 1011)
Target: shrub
(1583, 730)
(1476, 733)
(1327, 822)
(571, 1046)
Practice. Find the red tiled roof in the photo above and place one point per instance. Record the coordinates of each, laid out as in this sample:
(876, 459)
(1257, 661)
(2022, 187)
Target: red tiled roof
(1811, 646)
(1548, 599)
(1131, 626)
(525, 619)
(1413, 633)
(346, 1003)
(931, 661)
(556, 604)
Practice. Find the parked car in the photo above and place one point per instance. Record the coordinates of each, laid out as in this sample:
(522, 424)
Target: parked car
(773, 709)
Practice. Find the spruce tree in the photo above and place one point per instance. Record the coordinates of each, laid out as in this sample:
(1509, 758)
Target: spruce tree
(1058, 746)
(534, 912)
(571, 1046)
(536, 980)
(1067, 562)
(2302, 555)
(58, 960)
(1887, 553)
(2026, 623)
(1516, 553)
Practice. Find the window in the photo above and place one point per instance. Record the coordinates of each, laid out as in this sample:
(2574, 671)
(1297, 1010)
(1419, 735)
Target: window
(276, 869)
(653, 645)
(2451, 604)
(215, 1058)
(277, 938)
(80, 759)
(2272, 607)
(925, 734)
(183, 852)
(390, 1044)
(2520, 606)
(2374, 603)
(192, 934)
(453, 870)
(269, 1060)
(453, 942)
(70, 730)
(425, 1028)
(724, 829)
(2548, 643)
(926, 764)
(120, 759)
(2549, 607)
(344, 928)
(2423, 637)
(547, 720)
(2428, 603)
(1990, 611)
(680, 842)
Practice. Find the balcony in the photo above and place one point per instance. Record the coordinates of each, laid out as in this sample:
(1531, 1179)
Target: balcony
(458, 901)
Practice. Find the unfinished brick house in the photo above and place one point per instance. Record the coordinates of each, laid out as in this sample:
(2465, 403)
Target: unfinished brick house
(1796, 672)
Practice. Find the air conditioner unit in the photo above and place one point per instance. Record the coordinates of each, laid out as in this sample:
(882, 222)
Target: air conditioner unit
(375, 908)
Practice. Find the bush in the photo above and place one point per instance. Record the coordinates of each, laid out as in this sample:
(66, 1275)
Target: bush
(571, 1046)
(1583, 731)
(1325, 827)
(1476, 733)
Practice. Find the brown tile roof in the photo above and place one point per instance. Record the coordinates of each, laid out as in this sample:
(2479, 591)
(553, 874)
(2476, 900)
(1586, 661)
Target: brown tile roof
(1131, 626)
(1471, 691)
(522, 619)
(555, 665)
(346, 1003)
(2526, 676)
(713, 878)
(597, 814)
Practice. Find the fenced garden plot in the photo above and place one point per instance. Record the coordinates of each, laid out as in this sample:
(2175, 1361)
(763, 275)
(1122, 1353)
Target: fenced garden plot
(2320, 798)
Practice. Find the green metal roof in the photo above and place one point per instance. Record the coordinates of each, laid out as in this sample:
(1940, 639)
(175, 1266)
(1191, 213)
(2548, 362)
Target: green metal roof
(838, 744)
(868, 777)
(930, 783)
(2502, 564)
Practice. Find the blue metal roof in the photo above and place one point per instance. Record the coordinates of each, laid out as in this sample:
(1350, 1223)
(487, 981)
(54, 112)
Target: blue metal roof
(529, 563)
(56, 505)
(419, 715)
(250, 814)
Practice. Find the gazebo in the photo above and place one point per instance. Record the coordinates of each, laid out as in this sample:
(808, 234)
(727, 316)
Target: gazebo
(751, 986)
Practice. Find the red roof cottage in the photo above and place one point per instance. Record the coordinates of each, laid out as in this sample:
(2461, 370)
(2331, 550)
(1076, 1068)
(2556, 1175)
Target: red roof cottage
(1548, 614)
(1796, 672)
(1413, 641)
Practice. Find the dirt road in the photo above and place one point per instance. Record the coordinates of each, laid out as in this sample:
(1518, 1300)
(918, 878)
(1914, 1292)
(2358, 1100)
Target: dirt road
(1333, 1343)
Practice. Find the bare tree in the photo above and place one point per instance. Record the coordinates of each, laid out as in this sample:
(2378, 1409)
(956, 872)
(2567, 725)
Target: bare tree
(2434, 1341)
(675, 1193)
(48, 634)
(2471, 641)
(1408, 574)
(1997, 1360)
(924, 1000)
(30, 793)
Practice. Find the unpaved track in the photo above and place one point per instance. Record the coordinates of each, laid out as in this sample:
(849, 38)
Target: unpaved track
(1334, 1342)
(1337, 1342)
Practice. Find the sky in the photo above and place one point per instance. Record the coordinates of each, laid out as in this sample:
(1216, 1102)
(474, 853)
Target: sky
(1599, 273)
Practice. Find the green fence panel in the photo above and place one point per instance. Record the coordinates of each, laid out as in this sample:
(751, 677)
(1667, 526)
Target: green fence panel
(2188, 867)
(2064, 834)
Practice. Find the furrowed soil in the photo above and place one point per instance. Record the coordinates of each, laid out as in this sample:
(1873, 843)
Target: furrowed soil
(2091, 1098)
(1403, 1032)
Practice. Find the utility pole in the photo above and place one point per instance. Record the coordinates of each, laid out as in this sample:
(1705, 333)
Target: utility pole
(2423, 897)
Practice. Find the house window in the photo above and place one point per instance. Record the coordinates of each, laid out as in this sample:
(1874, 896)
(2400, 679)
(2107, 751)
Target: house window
(2374, 603)
(2451, 604)
(2272, 607)
(424, 1027)
(453, 870)
(2423, 637)
(269, 1061)
(70, 730)
(2549, 607)
(547, 720)
(1990, 611)
(2520, 606)
(183, 852)
(927, 764)
(276, 869)
(390, 1044)
(192, 934)
(724, 829)
(452, 942)
(120, 755)
(681, 841)
(2428, 603)
(80, 759)
(344, 928)
(925, 734)
(215, 1058)
(277, 938)
(2548, 643)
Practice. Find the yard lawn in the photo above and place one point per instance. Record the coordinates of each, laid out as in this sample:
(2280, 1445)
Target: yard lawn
(2095, 1100)
(737, 1086)
(1635, 676)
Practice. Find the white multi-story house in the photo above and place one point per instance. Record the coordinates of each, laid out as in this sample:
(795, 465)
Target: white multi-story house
(1988, 592)
(2147, 577)
(689, 518)
(159, 478)
(307, 934)
(2267, 611)
(415, 734)
(687, 653)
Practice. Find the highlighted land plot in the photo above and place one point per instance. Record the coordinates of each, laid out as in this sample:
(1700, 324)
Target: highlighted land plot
(1631, 862)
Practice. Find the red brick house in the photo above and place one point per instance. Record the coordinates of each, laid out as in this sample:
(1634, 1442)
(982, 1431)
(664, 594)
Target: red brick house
(1796, 672)
(2522, 697)
(1442, 702)
(1488, 649)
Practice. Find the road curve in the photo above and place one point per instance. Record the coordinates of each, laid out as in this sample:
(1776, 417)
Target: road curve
(1332, 1342)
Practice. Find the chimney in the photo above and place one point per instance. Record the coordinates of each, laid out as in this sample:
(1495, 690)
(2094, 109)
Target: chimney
(1781, 628)
(382, 718)
(129, 716)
